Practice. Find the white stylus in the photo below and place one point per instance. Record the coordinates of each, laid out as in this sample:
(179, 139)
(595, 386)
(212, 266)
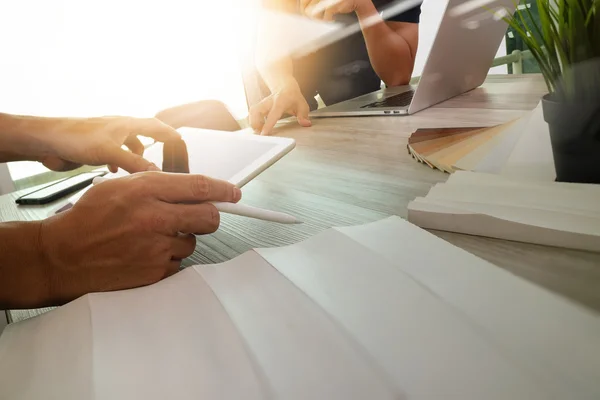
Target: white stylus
(242, 210)
(254, 212)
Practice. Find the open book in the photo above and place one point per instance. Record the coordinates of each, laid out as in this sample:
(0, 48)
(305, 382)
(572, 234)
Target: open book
(380, 311)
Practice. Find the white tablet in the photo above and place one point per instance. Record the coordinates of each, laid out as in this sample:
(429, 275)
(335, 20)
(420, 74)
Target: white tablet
(236, 157)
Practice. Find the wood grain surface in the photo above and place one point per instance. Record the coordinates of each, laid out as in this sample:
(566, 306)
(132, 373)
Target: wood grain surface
(349, 171)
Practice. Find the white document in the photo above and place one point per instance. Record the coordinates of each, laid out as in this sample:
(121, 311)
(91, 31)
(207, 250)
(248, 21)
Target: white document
(553, 339)
(379, 311)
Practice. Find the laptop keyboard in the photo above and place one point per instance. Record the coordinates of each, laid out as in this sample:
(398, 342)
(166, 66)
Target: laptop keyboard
(399, 100)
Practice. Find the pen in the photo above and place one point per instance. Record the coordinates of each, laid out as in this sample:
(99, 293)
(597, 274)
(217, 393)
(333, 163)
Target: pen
(242, 210)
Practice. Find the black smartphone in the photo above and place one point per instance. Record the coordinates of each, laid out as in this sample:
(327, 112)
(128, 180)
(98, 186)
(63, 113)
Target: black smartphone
(59, 189)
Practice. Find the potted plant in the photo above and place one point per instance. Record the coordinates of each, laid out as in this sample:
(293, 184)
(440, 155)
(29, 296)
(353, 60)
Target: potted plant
(565, 41)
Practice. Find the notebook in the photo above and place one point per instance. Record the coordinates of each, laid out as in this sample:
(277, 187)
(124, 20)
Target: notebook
(383, 310)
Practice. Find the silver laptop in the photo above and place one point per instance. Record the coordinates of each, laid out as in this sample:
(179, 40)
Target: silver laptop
(463, 51)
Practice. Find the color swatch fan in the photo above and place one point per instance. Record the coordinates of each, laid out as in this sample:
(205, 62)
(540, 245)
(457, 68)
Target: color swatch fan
(453, 149)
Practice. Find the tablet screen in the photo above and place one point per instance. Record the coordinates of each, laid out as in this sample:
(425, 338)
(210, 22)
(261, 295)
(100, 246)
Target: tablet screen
(221, 155)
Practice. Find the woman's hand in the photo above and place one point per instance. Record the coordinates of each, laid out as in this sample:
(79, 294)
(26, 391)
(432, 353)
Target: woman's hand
(326, 9)
(287, 98)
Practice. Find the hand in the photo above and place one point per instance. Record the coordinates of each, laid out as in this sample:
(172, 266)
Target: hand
(326, 9)
(98, 141)
(129, 232)
(287, 99)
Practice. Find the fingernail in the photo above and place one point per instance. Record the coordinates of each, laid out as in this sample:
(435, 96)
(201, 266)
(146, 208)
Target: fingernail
(153, 167)
(237, 194)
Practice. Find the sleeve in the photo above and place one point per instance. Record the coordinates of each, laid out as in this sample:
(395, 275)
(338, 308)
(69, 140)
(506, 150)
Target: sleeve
(411, 15)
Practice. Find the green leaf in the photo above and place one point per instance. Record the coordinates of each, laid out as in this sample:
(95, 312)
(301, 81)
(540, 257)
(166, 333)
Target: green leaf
(567, 34)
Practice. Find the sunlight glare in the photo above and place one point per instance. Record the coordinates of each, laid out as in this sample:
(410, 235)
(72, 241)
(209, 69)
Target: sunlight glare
(86, 58)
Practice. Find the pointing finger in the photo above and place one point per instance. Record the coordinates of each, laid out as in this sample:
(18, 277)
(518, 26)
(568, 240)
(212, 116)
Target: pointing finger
(185, 188)
(153, 128)
(274, 116)
(128, 161)
(258, 112)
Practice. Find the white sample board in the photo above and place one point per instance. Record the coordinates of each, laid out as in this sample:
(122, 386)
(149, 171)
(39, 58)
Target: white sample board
(549, 213)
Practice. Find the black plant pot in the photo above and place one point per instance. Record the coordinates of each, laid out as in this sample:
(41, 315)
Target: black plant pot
(575, 138)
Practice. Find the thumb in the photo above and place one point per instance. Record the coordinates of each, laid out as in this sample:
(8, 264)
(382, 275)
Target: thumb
(302, 115)
(131, 162)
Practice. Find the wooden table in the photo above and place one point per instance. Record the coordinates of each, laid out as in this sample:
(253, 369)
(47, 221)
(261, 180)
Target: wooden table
(347, 171)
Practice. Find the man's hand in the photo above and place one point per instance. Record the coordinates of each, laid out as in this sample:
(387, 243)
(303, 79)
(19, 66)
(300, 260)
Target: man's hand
(98, 141)
(129, 232)
(287, 99)
(326, 9)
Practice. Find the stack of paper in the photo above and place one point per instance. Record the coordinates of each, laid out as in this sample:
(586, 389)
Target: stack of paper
(379, 311)
(519, 209)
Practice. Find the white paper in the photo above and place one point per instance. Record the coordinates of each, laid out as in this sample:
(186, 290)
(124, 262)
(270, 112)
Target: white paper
(301, 351)
(384, 310)
(554, 339)
(49, 357)
(169, 340)
(427, 348)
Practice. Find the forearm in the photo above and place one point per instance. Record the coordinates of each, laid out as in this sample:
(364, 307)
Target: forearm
(272, 61)
(390, 54)
(24, 137)
(24, 274)
(277, 73)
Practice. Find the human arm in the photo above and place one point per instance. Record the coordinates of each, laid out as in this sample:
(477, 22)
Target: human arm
(123, 233)
(66, 143)
(24, 280)
(278, 74)
(392, 45)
